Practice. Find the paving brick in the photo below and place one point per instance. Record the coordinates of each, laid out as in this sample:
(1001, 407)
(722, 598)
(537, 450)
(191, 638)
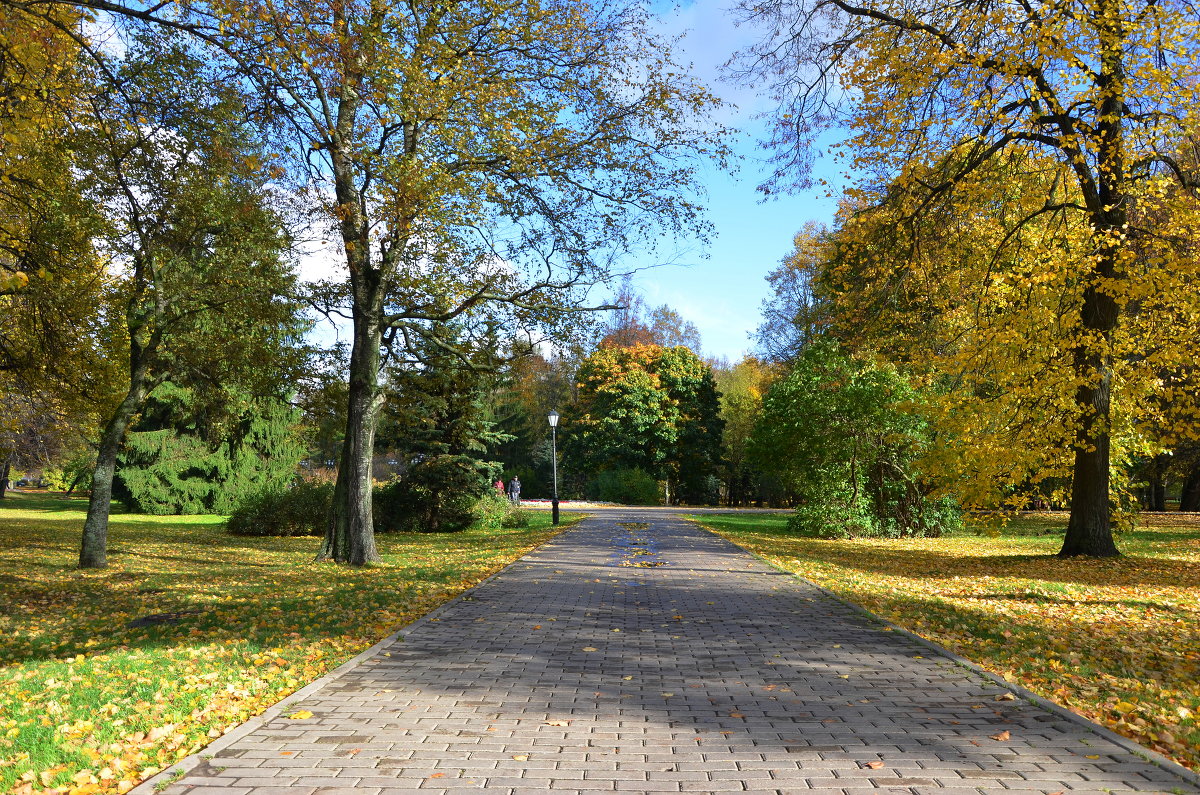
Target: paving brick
(724, 676)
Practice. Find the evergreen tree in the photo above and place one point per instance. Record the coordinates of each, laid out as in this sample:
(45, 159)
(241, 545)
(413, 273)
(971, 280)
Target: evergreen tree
(438, 425)
(196, 453)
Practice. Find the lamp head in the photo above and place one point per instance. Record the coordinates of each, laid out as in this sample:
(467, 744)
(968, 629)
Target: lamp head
(553, 418)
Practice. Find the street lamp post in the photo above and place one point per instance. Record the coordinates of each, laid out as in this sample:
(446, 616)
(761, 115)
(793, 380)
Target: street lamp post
(553, 419)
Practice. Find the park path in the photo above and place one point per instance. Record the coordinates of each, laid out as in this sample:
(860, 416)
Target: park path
(660, 659)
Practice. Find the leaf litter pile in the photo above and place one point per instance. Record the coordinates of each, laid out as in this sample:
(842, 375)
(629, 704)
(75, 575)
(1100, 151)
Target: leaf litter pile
(107, 677)
(1115, 640)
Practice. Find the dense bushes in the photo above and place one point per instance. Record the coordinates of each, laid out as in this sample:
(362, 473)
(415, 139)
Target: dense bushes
(435, 495)
(408, 504)
(846, 437)
(189, 455)
(296, 511)
(495, 511)
(626, 486)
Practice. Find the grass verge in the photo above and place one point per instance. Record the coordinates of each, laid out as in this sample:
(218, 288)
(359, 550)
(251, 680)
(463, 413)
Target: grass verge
(1115, 640)
(109, 676)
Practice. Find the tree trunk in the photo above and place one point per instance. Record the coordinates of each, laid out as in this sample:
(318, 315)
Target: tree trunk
(93, 552)
(1189, 499)
(1157, 498)
(1089, 530)
(350, 532)
(4, 473)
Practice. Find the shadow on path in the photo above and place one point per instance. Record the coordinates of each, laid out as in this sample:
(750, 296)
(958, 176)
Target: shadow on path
(639, 653)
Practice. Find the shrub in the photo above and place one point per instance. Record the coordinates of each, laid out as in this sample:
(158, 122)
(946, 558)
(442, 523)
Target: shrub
(440, 494)
(516, 517)
(178, 461)
(847, 438)
(299, 510)
(627, 486)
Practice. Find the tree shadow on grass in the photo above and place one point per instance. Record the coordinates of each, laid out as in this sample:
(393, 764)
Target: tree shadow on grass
(1130, 570)
(680, 663)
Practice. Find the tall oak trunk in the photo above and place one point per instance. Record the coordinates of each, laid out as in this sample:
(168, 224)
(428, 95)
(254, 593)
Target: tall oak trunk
(350, 531)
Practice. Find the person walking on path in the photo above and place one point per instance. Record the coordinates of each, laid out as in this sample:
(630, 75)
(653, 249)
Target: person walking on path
(514, 490)
(499, 484)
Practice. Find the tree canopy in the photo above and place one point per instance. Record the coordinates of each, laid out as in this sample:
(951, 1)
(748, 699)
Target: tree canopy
(650, 408)
(1089, 102)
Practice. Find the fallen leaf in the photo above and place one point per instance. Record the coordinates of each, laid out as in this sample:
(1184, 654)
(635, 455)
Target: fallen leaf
(590, 648)
(438, 775)
(1006, 697)
(873, 765)
(521, 757)
(1003, 736)
(301, 715)
(558, 723)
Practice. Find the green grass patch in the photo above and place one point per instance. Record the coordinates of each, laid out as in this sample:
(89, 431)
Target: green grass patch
(1116, 640)
(110, 676)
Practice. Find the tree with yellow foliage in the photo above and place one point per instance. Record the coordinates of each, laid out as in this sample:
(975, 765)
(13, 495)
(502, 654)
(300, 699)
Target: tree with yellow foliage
(1092, 97)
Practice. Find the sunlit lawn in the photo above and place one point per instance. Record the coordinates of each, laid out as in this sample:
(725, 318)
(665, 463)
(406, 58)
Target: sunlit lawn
(91, 699)
(1115, 640)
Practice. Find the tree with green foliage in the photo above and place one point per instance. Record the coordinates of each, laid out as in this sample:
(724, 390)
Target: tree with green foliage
(844, 436)
(492, 157)
(198, 283)
(195, 452)
(530, 388)
(649, 408)
(742, 388)
(438, 423)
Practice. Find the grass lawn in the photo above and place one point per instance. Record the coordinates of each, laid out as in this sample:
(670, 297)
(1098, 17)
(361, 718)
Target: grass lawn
(94, 700)
(1115, 640)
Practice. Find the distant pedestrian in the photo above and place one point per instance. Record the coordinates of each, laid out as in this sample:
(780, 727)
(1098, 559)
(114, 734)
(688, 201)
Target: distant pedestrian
(499, 484)
(514, 490)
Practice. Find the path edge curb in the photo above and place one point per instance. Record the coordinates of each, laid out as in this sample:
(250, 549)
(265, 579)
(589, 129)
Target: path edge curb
(1141, 751)
(176, 770)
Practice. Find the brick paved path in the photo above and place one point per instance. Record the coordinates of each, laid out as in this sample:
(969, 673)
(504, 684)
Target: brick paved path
(576, 671)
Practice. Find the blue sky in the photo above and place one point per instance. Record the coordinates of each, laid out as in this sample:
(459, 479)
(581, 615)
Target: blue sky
(722, 293)
(719, 288)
